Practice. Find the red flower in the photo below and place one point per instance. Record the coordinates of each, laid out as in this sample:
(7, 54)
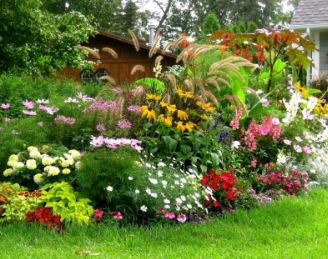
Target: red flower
(231, 195)
(205, 180)
(216, 204)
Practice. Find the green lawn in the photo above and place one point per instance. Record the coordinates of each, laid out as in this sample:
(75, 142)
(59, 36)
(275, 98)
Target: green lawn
(290, 228)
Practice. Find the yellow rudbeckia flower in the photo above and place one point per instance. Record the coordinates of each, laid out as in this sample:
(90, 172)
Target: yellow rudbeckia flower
(153, 97)
(163, 104)
(204, 117)
(167, 120)
(302, 90)
(206, 106)
(184, 94)
(148, 113)
(183, 127)
(182, 115)
(171, 108)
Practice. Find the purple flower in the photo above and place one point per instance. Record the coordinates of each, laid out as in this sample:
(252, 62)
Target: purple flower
(30, 113)
(134, 108)
(65, 120)
(100, 127)
(5, 106)
(124, 124)
(28, 104)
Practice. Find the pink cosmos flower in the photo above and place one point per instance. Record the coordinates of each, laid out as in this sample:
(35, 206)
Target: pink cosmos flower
(169, 215)
(124, 124)
(42, 101)
(28, 104)
(287, 142)
(182, 218)
(307, 150)
(298, 148)
(7, 120)
(30, 113)
(5, 106)
(49, 110)
(117, 215)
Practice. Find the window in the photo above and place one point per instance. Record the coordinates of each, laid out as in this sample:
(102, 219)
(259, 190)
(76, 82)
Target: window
(101, 72)
(87, 76)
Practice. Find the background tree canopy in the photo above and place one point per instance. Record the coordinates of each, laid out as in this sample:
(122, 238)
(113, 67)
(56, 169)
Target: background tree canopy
(39, 42)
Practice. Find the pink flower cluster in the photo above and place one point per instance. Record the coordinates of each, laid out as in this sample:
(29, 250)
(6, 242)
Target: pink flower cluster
(5, 106)
(267, 128)
(134, 108)
(102, 105)
(292, 182)
(113, 143)
(182, 218)
(236, 120)
(65, 120)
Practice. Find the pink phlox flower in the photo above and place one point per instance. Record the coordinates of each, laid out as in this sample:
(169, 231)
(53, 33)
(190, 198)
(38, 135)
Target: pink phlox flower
(117, 215)
(169, 215)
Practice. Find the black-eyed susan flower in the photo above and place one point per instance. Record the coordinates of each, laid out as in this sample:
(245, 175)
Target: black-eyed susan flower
(302, 90)
(204, 117)
(167, 120)
(153, 97)
(182, 115)
(184, 94)
(185, 126)
(171, 108)
(206, 106)
(148, 113)
(163, 104)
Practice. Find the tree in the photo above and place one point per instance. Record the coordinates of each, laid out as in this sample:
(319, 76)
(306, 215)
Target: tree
(211, 24)
(39, 42)
(103, 12)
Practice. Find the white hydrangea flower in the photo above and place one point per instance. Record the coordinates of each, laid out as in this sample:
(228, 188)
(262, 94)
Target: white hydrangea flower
(32, 148)
(76, 155)
(167, 201)
(31, 164)
(78, 165)
(13, 158)
(167, 206)
(38, 178)
(18, 165)
(53, 171)
(47, 160)
(8, 172)
(66, 171)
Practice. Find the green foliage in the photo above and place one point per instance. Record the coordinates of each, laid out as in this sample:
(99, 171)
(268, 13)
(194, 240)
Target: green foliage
(211, 24)
(38, 42)
(66, 203)
(152, 84)
(103, 168)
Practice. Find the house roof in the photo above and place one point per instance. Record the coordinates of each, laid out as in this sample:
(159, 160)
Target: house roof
(128, 41)
(311, 14)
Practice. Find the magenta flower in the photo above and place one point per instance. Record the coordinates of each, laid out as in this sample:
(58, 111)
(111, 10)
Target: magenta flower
(30, 113)
(5, 106)
(117, 215)
(169, 215)
(97, 215)
(182, 218)
(28, 104)
(124, 124)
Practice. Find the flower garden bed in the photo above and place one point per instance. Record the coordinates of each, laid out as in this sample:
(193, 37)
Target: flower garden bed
(218, 137)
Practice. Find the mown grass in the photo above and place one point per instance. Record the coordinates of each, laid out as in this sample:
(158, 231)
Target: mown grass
(290, 228)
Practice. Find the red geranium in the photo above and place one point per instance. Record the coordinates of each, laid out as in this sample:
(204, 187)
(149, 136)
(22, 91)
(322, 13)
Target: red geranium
(231, 195)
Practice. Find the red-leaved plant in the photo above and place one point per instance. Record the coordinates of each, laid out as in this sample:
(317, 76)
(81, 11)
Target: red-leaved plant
(44, 216)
